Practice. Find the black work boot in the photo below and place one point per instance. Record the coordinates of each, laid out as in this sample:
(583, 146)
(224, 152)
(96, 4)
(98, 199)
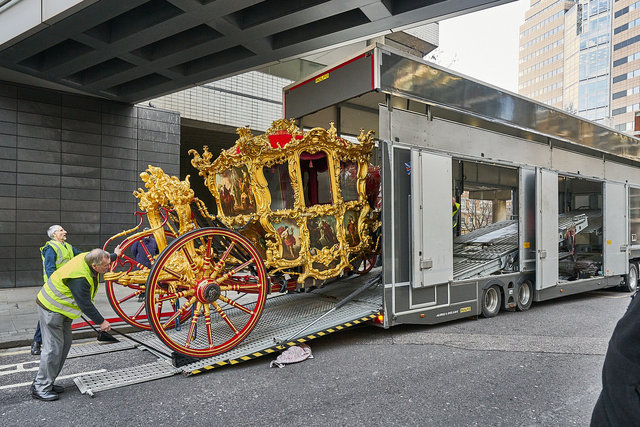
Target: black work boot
(44, 395)
(35, 348)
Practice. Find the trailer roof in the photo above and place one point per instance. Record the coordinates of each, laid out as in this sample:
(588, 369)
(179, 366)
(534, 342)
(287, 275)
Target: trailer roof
(383, 69)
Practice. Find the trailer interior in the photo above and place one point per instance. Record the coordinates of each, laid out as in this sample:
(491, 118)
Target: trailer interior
(486, 234)
(579, 228)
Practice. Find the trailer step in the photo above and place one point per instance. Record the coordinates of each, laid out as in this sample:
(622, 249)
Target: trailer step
(89, 384)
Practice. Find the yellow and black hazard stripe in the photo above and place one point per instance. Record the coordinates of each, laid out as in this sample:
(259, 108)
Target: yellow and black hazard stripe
(282, 346)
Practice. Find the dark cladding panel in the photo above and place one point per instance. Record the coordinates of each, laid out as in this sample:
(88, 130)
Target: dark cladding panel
(345, 81)
(74, 161)
(28, 278)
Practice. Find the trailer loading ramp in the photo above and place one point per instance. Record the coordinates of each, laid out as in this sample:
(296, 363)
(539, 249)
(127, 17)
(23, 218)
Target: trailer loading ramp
(584, 221)
(490, 249)
(280, 326)
(486, 250)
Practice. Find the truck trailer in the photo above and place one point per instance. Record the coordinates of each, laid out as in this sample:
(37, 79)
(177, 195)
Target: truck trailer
(564, 193)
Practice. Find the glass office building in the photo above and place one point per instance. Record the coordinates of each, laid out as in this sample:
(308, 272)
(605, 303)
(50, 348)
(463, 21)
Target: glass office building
(583, 57)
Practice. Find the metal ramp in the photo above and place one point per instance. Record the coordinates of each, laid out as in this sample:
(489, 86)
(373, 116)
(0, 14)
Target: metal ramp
(568, 220)
(595, 221)
(92, 383)
(281, 325)
(491, 249)
(99, 348)
(486, 250)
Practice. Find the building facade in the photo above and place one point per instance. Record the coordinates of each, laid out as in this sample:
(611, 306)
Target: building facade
(72, 160)
(571, 57)
(542, 52)
(625, 87)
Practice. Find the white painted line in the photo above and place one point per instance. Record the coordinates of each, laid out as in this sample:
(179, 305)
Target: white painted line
(19, 367)
(59, 378)
(604, 294)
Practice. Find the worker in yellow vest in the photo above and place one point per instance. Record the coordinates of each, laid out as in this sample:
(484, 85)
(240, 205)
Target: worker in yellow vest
(54, 254)
(455, 216)
(68, 293)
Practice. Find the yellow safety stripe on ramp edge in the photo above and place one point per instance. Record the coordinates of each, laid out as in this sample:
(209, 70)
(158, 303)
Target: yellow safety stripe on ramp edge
(285, 345)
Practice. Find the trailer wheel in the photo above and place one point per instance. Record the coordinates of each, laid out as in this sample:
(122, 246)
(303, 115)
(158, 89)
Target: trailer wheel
(491, 301)
(631, 279)
(525, 296)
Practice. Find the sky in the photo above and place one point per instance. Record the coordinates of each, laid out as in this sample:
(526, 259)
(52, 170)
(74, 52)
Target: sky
(484, 44)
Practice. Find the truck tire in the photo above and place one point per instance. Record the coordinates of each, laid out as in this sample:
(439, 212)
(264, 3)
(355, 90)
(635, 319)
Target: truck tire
(631, 279)
(525, 296)
(491, 301)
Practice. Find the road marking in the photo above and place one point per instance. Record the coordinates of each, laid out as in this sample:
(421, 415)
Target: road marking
(510, 343)
(4, 387)
(13, 353)
(18, 367)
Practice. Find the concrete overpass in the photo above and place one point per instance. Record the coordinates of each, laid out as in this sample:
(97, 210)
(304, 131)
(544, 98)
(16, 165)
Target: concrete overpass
(136, 50)
(71, 141)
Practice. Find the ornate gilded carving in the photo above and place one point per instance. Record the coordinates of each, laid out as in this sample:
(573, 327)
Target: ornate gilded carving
(162, 191)
(299, 197)
(305, 236)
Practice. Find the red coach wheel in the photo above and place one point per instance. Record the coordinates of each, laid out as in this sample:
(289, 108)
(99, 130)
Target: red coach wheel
(365, 262)
(126, 292)
(223, 280)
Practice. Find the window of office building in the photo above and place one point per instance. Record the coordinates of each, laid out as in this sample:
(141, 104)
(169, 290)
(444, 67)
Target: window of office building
(626, 59)
(594, 62)
(618, 111)
(628, 9)
(593, 93)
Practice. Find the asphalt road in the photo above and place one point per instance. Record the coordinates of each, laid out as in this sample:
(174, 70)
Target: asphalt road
(541, 367)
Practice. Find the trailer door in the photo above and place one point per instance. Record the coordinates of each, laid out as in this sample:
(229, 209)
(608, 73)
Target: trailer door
(615, 229)
(527, 219)
(546, 228)
(431, 219)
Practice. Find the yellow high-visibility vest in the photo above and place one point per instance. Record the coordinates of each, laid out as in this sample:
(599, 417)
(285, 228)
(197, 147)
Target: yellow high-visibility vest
(57, 297)
(453, 215)
(64, 252)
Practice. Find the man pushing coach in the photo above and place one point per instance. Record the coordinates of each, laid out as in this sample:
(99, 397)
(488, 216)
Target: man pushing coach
(67, 294)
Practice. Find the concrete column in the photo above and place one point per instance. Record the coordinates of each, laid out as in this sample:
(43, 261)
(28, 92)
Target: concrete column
(499, 210)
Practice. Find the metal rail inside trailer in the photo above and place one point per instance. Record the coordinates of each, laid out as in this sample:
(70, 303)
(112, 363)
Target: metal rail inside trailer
(486, 250)
(558, 187)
